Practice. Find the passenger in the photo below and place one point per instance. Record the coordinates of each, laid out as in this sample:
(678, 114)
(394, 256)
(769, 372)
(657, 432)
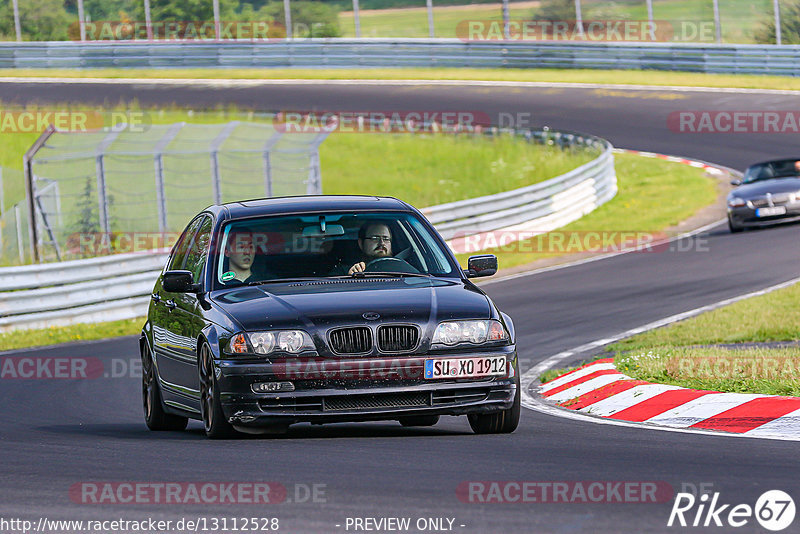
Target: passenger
(240, 255)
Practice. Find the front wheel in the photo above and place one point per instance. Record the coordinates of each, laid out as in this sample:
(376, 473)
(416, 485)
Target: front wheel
(502, 422)
(214, 422)
(154, 415)
(733, 227)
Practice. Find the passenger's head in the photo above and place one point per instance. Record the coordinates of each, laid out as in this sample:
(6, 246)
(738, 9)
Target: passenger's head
(375, 239)
(240, 249)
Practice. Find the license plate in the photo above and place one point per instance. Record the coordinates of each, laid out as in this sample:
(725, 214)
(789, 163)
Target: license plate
(465, 367)
(771, 211)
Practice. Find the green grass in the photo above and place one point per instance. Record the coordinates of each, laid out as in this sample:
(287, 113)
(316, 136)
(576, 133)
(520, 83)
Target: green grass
(671, 354)
(638, 207)
(751, 370)
(65, 334)
(619, 77)
(426, 170)
(771, 317)
(738, 18)
(413, 22)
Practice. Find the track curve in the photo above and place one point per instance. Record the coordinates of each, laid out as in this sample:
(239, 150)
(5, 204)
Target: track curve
(63, 432)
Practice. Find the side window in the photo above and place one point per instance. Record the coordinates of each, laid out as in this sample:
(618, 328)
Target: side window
(198, 249)
(179, 253)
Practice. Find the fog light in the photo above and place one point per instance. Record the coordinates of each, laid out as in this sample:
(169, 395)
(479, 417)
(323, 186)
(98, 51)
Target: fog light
(272, 387)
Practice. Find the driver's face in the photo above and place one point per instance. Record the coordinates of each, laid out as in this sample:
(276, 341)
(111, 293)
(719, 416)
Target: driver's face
(377, 242)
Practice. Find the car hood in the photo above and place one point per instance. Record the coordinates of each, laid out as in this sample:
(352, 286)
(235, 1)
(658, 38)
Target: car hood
(762, 187)
(324, 304)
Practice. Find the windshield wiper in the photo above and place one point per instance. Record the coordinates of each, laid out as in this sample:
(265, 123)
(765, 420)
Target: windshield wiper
(285, 280)
(389, 274)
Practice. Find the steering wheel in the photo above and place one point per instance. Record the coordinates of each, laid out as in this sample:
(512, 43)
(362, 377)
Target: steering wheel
(389, 265)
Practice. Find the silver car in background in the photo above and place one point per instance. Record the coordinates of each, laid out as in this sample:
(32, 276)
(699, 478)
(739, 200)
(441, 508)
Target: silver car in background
(768, 193)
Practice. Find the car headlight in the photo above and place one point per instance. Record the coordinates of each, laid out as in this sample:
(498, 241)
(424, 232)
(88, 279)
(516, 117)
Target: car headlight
(736, 202)
(291, 341)
(476, 332)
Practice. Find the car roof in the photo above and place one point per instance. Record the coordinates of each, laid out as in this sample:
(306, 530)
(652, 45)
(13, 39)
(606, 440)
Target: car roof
(312, 203)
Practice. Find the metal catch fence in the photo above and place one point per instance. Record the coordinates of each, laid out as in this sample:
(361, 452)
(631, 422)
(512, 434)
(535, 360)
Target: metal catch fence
(92, 191)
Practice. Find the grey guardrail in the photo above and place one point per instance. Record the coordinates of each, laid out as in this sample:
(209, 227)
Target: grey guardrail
(563, 198)
(119, 286)
(692, 57)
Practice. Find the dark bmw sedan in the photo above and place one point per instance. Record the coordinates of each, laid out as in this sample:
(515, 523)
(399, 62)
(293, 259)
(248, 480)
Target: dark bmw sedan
(323, 309)
(769, 193)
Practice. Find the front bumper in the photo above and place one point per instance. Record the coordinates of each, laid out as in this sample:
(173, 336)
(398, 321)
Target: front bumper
(358, 389)
(745, 216)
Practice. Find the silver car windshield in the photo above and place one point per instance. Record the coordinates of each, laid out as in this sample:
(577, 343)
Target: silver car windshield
(774, 169)
(323, 245)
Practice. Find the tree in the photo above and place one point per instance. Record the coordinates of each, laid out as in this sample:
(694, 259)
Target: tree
(187, 10)
(41, 20)
(315, 19)
(555, 10)
(790, 25)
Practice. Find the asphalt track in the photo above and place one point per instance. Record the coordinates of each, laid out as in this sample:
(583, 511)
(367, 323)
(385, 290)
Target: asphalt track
(56, 433)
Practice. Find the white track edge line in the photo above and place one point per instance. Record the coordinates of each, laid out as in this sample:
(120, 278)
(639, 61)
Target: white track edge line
(537, 404)
(222, 82)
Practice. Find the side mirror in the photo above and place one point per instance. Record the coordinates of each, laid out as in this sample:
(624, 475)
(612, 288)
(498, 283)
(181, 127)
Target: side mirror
(736, 182)
(483, 265)
(178, 282)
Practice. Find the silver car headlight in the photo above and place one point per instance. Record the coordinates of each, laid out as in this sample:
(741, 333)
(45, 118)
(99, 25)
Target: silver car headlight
(476, 332)
(736, 202)
(291, 341)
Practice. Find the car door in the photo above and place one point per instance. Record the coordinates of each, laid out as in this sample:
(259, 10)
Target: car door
(174, 343)
(188, 307)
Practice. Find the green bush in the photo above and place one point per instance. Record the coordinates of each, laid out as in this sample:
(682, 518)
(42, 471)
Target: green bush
(309, 19)
(40, 20)
(790, 25)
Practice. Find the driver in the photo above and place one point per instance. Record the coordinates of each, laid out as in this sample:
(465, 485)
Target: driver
(375, 242)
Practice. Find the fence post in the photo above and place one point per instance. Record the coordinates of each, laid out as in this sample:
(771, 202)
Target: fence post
(17, 27)
(717, 26)
(578, 17)
(100, 172)
(27, 163)
(357, 19)
(431, 32)
(314, 184)
(147, 22)
(215, 144)
(287, 16)
(81, 20)
(268, 162)
(20, 245)
(158, 162)
(777, 8)
(506, 21)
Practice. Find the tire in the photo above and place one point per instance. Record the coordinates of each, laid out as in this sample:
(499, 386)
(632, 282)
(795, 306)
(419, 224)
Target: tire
(502, 422)
(733, 228)
(154, 415)
(419, 420)
(214, 422)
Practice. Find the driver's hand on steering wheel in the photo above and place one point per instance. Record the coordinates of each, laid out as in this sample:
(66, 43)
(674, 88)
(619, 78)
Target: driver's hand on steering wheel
(357, 268)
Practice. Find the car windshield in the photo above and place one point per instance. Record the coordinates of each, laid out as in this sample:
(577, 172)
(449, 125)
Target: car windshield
(328, 244)
(786, 168)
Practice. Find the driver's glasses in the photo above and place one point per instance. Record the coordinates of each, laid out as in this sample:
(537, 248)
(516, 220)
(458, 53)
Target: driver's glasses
(379, 238)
